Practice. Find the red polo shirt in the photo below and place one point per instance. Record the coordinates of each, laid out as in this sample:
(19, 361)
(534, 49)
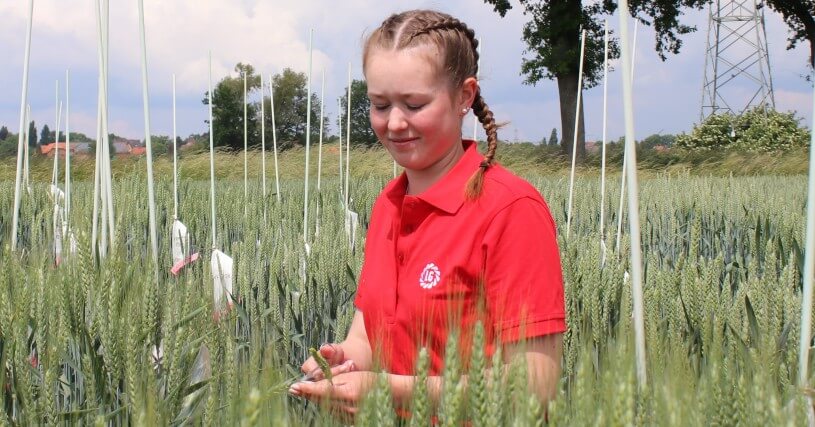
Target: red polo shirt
(436, 262)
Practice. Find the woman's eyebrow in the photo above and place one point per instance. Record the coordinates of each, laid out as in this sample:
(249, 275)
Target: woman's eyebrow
(400, 95)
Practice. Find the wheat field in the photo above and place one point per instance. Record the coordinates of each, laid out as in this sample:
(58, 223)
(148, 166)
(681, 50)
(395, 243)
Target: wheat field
(120, 341)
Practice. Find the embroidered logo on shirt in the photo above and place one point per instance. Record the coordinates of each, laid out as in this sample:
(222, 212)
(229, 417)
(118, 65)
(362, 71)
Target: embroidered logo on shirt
(430, 276)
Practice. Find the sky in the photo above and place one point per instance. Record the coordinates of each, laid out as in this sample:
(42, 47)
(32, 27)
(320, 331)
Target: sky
(273, 35)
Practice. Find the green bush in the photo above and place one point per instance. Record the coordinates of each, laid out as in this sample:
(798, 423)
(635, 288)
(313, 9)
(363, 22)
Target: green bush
(755, 130)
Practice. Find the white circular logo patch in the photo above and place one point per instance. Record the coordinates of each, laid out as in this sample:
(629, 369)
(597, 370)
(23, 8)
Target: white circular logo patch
(430, 276)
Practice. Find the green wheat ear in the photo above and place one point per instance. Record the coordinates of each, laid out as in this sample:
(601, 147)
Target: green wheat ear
(321, 362)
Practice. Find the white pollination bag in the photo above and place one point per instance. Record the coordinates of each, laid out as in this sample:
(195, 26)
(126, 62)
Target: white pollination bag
(351, 224)
(181, 241)
(222, 279)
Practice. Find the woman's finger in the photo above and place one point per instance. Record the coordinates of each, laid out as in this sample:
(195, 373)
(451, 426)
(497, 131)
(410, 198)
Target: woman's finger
(315, 391)
(309, 366)
(345, 367)
(333, 353)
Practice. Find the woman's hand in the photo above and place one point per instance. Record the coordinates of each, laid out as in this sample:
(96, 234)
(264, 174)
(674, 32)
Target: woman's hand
(335, 356)
(343, 397)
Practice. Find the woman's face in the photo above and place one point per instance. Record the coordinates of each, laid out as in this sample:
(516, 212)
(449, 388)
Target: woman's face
(414, 112)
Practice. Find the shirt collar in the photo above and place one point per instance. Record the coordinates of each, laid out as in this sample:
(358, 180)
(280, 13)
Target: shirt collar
(447, 194)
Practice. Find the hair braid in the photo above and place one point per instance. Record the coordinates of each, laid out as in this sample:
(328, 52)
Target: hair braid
(482, 111)
(446, 23)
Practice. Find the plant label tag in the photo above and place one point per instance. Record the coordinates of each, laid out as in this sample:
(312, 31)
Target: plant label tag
(181, 241)
(222, 279)
(351, 223)
(183, 263)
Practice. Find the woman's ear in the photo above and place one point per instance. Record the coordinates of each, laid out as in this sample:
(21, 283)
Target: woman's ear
(468, 90)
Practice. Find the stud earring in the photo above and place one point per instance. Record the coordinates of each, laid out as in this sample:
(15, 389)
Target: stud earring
(465, 110)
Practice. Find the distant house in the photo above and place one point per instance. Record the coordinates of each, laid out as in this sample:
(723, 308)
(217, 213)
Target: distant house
(120, 148)
(77, 148)
(81, 148)
(127, 147)
(50, 149)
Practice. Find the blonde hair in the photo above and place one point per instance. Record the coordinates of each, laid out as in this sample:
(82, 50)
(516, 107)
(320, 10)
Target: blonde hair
(459, 52)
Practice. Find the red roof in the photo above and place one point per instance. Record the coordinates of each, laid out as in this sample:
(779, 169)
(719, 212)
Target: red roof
(47, 148)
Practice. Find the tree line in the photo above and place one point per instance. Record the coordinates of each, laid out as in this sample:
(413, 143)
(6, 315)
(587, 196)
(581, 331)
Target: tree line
(290, 105)
(291, 98)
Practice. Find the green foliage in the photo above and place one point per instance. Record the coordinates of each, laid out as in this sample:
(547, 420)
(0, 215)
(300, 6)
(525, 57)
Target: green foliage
(655, 140)
(755, 130)
(420, 410)
(161, 145)
(552, 34)
(290, 106)
(3, 133)
(553, 140)
(80, 137)
(8, 147)
(228, 109)
(32, 134)
(361, 131)
(46, 136)
(321, 362)
(799, 15)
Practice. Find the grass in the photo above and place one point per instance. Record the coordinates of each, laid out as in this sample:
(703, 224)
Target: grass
(524, 158)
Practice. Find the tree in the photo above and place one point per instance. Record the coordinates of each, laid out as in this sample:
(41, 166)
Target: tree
(32, 134)
(757, 129)
(552, 36)
(46, 136)
(361, 131)
(290, 105)
(799, 15)
(656, 139)
(227, 109)
(80, 137)
(553, 137)
(161, 145)
(3, 133)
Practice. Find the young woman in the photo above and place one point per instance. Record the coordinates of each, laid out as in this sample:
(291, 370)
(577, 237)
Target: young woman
(454, 240)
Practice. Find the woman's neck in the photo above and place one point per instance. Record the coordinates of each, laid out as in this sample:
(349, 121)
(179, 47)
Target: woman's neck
(421, 180)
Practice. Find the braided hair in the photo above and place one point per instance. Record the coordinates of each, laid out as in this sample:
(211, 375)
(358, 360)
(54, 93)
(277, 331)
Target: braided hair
(459, 51)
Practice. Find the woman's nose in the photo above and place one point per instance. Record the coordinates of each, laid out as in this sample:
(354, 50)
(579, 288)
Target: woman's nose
(396, 120)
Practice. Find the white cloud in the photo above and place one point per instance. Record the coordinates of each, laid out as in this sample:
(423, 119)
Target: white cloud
(272, 35)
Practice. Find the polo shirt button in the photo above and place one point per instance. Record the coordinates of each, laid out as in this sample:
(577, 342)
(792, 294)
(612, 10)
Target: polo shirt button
(401, 258)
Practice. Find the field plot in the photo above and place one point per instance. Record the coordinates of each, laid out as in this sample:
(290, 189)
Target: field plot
(103, 341)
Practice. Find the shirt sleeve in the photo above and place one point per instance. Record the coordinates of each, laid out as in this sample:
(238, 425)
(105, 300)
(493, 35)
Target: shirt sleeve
(523, 275)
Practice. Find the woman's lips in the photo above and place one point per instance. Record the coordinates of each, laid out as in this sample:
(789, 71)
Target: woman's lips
(402, 140)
